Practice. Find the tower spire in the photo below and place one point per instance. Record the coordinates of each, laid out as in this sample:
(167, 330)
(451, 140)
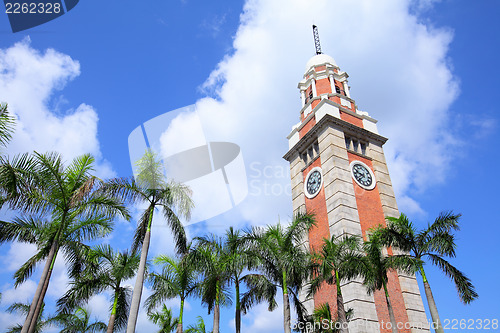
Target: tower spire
(316, 40)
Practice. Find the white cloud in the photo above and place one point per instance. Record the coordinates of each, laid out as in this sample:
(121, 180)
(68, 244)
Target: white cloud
(22, 293)
(259, 319)
(17, 255)
(99, 305)
(29, 81)
(8, 320)
(59, 280)
(421, 5)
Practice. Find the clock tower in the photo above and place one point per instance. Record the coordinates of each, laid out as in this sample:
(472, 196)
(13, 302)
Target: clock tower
(338, 171)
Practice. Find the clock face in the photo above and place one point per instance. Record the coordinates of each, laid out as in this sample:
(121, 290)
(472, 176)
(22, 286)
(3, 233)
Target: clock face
(313, 182)
(363, 175)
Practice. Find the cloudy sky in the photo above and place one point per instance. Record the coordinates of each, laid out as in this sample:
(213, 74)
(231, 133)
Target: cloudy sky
(424, 69)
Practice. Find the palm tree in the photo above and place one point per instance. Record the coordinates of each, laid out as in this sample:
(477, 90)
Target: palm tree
(337, 262)
(433, 243)
(78, 322)
(106, 270)
(284, 261)
(210, 259)
(376, 265)
(164, 319)
(62, 208)
(232, 250)
(24, 310)
(178, 278)
(198, 328)
(172, 199)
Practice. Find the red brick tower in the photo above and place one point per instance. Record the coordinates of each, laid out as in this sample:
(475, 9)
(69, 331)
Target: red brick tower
(339, 172)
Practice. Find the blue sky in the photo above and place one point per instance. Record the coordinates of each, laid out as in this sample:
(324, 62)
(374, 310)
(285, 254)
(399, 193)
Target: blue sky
(425, 69)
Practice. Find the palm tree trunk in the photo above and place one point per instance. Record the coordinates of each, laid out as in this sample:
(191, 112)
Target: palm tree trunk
(181, 313)
(341, 316)
(432, 304)
(286, 313)
(391, 311)
(216, 309)
(238, 306)
(216, 318)
(39, 304)
(286, 305)
(112, 317)
(39, 289)
(139, 282)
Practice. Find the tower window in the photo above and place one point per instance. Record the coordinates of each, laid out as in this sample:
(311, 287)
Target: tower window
(337, 89)
(310, 154)
(363, 148)
(309, 96)
(348, 142)
(355, 145)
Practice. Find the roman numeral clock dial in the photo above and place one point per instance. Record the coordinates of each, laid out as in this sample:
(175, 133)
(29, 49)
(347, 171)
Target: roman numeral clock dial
(314, 180)
(363, 175)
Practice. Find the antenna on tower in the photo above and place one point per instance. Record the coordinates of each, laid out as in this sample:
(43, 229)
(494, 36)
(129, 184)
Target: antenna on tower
(316, 40)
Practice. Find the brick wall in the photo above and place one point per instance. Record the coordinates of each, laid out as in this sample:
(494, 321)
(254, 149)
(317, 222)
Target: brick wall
(317, 206)
(371, 215)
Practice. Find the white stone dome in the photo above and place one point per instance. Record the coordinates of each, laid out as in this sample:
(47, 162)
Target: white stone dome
(320, 59)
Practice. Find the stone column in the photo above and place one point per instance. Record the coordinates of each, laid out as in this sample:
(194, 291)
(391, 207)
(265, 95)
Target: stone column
(332, 83)
(313, 87)
(346, 89)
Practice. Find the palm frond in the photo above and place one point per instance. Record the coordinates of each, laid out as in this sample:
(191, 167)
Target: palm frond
(125, 188)
(7, 125)
(465, 288)
(26, 269)
(149, 171)
(177, 228)
(260, 289)
(445, 222)
(122, 307)
(142, 226)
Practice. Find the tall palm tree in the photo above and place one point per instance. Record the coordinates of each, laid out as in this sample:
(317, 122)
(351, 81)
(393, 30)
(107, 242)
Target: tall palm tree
(375, 267)
(198, 328)
(432, 243)
(62, 206)
(106, 270)
(232, 251)
(284, 261)
(178, 278)
(23, 309)
(337, 262)
(213, 263)
(78, 321)
(150, 187)
(165, 319)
